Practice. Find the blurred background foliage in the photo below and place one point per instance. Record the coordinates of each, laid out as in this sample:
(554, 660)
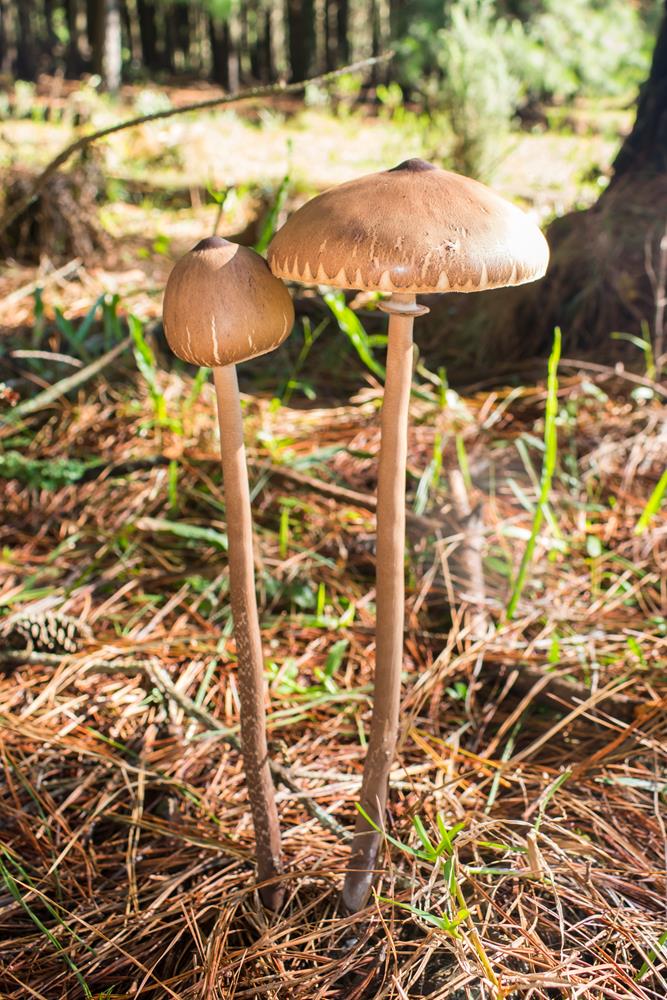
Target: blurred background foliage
(468, 67)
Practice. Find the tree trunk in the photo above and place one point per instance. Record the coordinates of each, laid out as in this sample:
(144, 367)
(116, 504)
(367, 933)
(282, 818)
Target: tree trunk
(224, 51)
(179, 25)
(4, 39)
(260, 47)
(129, 29)
(243, 46)
(267, 49)
(343, 22)
(26, 56)
(645, 149)
(330, 35)
(606, 272)
(300, 18)
(95, 27)
(73, 59)
(92, 25)
(219, 40)
(105, 35)
(233, 52)
(49, 44)
(375, 37)
(113, 51)
(148, 33)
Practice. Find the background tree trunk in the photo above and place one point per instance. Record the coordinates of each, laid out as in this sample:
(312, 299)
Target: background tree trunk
(343, 20)
(105, 36)
(73, 58)
(219, 42)
(26, 54)
(148, 33)
(50, 42)
(300, 21)
(4, 39)
(113, 53)
(645, 149)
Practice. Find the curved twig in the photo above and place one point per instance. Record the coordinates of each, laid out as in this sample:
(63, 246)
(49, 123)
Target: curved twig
(267, 90)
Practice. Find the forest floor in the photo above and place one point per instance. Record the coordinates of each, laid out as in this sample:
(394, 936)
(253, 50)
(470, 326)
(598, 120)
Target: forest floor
(536, 758)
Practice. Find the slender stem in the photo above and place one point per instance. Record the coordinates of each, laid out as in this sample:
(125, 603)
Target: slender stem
(246, 632)
(390, 598)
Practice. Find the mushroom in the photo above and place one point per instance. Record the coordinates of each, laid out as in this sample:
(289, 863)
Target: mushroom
(413, 229)
(221, 306)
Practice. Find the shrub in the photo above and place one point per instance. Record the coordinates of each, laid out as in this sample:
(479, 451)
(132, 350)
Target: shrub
(479, 62)
(470, 81)
(593, 48)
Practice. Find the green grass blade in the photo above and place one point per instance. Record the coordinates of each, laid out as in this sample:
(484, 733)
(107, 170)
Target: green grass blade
(15, 892)
(653, 505)
(352, 327)
(270, 223)
(181, 529)
(548, 469)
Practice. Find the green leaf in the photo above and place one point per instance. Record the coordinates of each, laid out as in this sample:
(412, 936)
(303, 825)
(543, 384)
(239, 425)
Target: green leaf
(335, 657)
(352, 327)
(181, 529)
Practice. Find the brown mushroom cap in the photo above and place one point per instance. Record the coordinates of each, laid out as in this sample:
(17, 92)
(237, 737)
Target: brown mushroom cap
(222, 305)
(414, 229)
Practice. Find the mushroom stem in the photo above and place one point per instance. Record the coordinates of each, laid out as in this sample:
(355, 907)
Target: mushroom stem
(247, 635)
(390, 597)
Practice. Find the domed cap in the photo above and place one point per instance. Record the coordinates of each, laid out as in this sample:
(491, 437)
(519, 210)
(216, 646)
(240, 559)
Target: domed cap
(414, 228)
(222, 305)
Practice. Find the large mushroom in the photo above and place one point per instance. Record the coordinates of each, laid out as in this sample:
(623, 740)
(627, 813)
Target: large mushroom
(413, 229)
(222, 306)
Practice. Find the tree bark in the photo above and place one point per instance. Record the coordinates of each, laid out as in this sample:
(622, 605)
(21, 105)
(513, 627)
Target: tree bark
(180, 34)
(233, 56)
(267, 49)
(26, 56)
(148, 34)
(49, 44)
(343, 22)
(645, 149)
(105, 36)
(73, 58)
(4, 39)
(129, 30)
(219, 41)
(605, 269)
(91, 25)
(300, 18)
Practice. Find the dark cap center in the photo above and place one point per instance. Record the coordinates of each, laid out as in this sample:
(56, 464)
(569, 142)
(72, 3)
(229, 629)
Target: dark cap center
(415, 166)
(211, 243)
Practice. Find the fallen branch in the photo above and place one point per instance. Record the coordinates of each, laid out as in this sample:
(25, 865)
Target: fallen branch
(13, 211)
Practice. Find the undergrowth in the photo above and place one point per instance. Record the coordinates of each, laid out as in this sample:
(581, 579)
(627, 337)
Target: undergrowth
(524, 852)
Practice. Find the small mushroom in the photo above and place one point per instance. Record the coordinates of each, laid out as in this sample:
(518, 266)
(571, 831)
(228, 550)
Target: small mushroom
(221, 306)
(414, 229)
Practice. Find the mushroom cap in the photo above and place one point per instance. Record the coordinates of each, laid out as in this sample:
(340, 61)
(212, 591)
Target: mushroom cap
(414, 229)
(222, 305)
